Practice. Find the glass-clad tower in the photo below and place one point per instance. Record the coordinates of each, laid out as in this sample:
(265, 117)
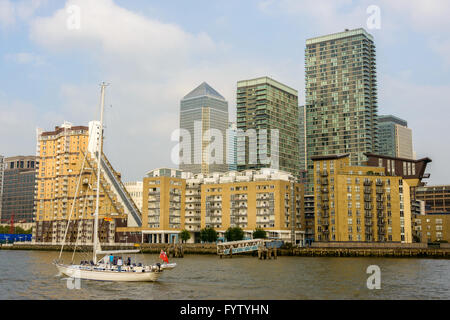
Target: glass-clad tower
(204, 115)
(266, 104)
(395, 137)
(341, 96)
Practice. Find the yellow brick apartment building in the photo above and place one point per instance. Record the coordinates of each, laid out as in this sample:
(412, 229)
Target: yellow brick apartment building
(66, 188)
(359, 203)
(174, 200)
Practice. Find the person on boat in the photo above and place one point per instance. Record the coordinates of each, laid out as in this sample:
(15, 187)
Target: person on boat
(119, 264)
(129, 261)
(111, 259)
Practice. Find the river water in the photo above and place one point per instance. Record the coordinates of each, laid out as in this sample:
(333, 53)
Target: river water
(30, 275)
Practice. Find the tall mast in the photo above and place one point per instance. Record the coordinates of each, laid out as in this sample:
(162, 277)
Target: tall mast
(99, 157)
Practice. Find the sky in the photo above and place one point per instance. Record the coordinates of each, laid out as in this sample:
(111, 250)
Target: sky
(54, 54)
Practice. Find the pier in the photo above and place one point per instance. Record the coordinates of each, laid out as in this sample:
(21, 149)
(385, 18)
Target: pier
(266, 248)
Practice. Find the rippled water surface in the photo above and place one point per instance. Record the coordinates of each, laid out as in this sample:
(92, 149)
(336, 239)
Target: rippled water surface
(30, 275)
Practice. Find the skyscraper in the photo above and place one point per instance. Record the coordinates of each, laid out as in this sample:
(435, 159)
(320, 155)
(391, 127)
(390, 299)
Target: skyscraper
(302, 137)
(204, 118)
(232, 146)
(18, 188)
(341, 96)
(395, 137)
(268, 125)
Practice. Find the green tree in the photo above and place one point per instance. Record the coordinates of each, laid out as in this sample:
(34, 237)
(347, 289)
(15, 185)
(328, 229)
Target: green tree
(234, 234)
(259, 233)
(208, 235)
(185, 235)
(17, 230)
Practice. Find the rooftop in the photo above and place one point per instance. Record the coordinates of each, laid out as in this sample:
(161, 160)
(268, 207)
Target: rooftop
(394, 119)
(203, 90)
(267, 80)
(339, 35)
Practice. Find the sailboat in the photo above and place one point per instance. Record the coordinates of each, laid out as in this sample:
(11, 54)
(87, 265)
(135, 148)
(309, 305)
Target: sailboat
(103, 269)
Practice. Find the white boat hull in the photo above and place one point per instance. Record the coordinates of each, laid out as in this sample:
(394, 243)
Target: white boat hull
(168, 266)
(105, 275)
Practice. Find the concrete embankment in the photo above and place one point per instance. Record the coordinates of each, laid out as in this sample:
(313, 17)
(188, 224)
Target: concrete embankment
(146, 248)
(367, 252)
(441, 253)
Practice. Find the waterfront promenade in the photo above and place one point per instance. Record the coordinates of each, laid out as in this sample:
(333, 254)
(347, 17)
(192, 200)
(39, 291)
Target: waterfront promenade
(211, 249)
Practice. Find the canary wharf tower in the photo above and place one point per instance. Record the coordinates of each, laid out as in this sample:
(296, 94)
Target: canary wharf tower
(204, 115)
(341, 96)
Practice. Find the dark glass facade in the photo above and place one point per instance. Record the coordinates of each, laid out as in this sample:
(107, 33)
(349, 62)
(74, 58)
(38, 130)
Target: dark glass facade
(18, 189)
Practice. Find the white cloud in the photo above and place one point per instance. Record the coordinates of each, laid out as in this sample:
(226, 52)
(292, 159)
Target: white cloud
(12, 11)
(7, 13)
(150, 64)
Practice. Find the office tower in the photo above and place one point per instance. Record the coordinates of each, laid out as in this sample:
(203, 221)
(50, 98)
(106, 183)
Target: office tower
(204, 118)
(395, 138)
(232, 146)
(18, 188)
(2, 169)
(302, 137)
(359, 203)
(341, 96)
(66, 181)
(268, 125)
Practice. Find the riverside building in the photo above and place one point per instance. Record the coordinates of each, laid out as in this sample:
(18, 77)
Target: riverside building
(436, 198)
(432, 227)
(175, 200)
(341, 97)
(359, 203)
(268, 126)
(18, 189)
(2, 173)
(66, 188)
